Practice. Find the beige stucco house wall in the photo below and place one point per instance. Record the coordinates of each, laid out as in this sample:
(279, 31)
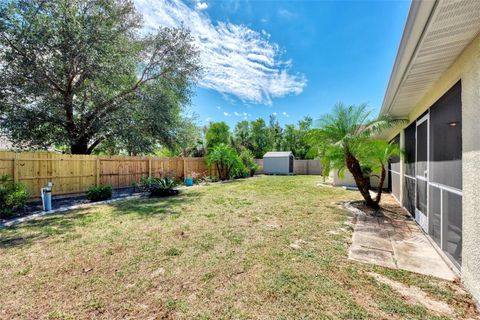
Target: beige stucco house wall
(467, 69)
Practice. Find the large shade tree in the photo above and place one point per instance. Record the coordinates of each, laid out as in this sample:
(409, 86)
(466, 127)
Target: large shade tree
(259, 136)
(81, 72)
(217, 133)
(242, 135)
(344, 140)
(275, 133)
(296, 139)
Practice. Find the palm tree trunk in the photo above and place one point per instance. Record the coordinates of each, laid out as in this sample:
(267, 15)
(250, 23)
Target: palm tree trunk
(362, 183)
(380, 185)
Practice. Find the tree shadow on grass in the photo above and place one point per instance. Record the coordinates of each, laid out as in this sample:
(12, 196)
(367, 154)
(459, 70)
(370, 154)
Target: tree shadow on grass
(58, 224)
(152, 206)
(40, 228)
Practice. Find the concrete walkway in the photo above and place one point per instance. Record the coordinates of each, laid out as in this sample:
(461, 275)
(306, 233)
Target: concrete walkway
(395, 241)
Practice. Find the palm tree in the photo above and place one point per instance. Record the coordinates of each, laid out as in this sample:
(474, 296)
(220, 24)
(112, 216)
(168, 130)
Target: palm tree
(375, 155)
(344, 141)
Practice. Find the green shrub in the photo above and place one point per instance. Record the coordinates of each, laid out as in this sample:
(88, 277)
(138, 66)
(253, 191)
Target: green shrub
(225, 159)
(248, 160)
(159, 186)
(99, 193)
(13, 196)
(239, 170)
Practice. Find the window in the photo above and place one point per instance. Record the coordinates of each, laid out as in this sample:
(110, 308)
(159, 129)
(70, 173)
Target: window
(446, 139)
(445, 170)
(409, 186)
(433, 171)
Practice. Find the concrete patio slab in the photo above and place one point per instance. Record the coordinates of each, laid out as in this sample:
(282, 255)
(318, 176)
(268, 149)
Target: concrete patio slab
(395, 241)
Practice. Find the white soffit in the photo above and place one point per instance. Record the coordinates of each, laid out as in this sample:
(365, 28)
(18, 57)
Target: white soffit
(435, 34)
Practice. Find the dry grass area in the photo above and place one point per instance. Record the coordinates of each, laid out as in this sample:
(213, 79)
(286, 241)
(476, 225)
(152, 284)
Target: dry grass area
(262, 248)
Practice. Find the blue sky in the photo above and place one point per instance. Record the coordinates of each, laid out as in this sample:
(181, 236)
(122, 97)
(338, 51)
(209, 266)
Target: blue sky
(291, 58)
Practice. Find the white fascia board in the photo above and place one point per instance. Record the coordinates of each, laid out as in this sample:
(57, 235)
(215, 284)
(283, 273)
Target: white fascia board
(419, 15)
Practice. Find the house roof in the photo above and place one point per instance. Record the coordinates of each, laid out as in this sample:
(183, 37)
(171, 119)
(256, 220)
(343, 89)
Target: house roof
(435, 34)
(277, 154)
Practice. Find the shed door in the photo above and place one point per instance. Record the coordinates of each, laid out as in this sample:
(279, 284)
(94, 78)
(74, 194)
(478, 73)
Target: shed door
(290, 165)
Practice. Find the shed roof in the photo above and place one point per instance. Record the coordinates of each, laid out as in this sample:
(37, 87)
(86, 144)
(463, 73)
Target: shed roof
(278, 154)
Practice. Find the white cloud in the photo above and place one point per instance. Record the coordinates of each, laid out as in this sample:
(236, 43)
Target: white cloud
(274, 113)
(201, 5)
(286, 13)
(226, 114)
(208, 119)
(285, 114)
(219, 108)
(238, 61)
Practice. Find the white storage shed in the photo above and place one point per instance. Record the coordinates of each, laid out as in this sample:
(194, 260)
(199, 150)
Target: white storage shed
(278, 162)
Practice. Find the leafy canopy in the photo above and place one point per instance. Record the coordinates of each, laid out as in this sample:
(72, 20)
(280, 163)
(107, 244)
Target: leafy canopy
(344, 140)
(80, 73)
(348, 130)
(217, 133)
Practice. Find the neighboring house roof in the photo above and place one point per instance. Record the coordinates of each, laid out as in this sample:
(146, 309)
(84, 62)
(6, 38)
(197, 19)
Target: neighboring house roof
(435, 34)
(278, 154)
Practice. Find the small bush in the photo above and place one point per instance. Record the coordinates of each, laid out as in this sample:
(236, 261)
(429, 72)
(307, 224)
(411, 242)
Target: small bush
(239, 170)
(226, 160)
(13, 196)
(248, 161)
(160, 186)
(199, 177)
(99, 193)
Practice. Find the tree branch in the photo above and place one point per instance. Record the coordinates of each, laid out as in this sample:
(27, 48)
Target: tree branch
(33, 61)
(94, 145)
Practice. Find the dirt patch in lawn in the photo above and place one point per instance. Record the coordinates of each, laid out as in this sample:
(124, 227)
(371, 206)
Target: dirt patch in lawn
(415, 295)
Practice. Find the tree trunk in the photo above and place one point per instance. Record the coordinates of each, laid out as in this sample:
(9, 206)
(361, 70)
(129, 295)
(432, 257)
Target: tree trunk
(362, 183)
(380, 185)
(79, 148)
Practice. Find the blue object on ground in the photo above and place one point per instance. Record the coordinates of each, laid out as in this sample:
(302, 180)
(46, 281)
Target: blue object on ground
(188, 182)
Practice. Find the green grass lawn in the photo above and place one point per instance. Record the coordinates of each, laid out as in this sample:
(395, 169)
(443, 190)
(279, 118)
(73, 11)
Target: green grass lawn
(258, 248)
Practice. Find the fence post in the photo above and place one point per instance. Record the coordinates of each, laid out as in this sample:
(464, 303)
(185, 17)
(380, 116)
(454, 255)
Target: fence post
(149, 167)
(15, 169)
(97, 173)
(184, 169)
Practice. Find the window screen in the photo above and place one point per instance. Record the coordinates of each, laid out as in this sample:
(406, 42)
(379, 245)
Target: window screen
(446, 139)
(445, 170)
(435, 214)
(422, 151)
(422, 195)
(395, 161)
(410, 149)
(452, 225)
(409, 195)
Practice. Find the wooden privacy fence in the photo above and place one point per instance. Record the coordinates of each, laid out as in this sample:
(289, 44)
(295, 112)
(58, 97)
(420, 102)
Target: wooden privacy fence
(301, 167)
(76, 173)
